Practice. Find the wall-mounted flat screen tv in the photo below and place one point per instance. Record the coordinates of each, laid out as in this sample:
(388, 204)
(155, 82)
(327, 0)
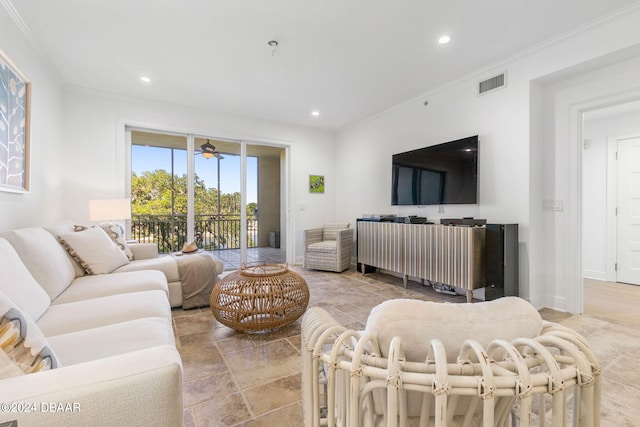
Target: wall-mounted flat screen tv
(437, 175)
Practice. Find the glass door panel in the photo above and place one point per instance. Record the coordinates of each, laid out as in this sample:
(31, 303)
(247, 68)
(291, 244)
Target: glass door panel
(159, 187)
(217, 190)
(264, 206)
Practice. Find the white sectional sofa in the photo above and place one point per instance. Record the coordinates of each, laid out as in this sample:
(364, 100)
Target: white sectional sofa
(146, 257)
(96, 349)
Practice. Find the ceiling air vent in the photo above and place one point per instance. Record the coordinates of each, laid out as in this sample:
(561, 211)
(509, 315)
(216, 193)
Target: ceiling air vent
(492, 83)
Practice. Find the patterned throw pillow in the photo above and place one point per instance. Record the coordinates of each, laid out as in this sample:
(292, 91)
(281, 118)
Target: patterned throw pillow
(116, 232)
(94, 250)
(23, 348)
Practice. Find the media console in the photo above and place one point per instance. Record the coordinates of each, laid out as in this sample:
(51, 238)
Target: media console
(463, 257)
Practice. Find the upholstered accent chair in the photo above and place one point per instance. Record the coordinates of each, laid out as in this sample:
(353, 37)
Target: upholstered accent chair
(422, 363)
(328, 248)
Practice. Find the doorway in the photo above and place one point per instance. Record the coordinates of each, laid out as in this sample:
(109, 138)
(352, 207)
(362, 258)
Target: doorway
(627, 210)
(610, 234)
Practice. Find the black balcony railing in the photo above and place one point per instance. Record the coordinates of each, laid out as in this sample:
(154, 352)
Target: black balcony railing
(212, 232)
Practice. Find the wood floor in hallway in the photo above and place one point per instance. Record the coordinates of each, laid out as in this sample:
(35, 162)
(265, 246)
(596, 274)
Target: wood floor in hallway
(612, 301)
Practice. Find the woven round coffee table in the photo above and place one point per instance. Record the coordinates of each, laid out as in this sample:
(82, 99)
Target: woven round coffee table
(260, 298)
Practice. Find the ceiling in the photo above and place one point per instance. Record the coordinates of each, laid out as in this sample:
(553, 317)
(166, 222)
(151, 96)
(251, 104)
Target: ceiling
(347, 59)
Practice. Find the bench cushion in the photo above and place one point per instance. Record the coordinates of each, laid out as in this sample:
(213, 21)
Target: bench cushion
(418, 322)
(325, 247)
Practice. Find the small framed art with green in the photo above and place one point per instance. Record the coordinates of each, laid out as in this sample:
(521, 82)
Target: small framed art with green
(316, 183)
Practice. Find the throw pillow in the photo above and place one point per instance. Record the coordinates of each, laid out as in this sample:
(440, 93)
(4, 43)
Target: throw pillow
(418, 322)
(116, 233)
(94, 250)
(23, 348)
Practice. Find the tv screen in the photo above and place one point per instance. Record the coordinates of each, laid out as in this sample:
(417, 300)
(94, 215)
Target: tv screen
(437, 175)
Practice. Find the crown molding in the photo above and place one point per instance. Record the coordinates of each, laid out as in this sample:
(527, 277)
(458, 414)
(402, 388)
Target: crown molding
(24, 29)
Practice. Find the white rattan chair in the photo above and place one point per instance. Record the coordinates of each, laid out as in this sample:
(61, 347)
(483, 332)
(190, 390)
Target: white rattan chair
(328, 248)
(373, 378)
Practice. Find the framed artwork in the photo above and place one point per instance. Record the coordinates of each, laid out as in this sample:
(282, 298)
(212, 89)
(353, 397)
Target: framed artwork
(15, 93)
(316, 183)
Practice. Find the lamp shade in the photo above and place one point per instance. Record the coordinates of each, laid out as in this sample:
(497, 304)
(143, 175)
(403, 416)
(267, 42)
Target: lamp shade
(109, 209)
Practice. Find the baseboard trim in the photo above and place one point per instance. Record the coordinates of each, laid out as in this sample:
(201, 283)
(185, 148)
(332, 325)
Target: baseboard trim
(595, 275)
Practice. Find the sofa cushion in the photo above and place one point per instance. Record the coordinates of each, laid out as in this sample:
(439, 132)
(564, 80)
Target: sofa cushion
(94, 250)
(23, 348)
(18, 283)
(45, 258)
(144, 250)
(102, 285)
(330, 231)
(111, 340)
(96, 312)
(326, 247)
(165, 264)
(61, 228)
(418, 322)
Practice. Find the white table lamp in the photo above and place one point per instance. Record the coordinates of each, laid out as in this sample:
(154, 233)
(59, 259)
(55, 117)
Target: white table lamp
(109, 209)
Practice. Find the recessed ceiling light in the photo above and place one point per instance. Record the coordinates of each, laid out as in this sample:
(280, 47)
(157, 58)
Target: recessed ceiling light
(315, 113)
(444, 39)
(145, 79)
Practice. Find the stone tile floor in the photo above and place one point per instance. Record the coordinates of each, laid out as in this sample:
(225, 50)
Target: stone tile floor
(235, 379)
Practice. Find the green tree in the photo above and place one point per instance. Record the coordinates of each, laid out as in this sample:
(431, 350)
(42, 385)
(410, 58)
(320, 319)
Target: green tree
(152, 193)
(252, 209)
(159, 194)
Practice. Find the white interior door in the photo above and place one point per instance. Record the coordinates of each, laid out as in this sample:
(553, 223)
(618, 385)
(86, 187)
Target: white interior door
(628, 215)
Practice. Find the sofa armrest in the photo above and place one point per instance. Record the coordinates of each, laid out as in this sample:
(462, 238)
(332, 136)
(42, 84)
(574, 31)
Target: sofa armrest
(312, 235)
(141, 388)
(144, 250)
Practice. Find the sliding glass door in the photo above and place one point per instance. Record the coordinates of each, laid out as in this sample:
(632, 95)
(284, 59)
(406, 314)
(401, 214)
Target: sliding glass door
(224, 195)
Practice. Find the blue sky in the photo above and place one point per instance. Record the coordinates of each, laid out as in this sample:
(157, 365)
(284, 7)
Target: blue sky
(144, 158)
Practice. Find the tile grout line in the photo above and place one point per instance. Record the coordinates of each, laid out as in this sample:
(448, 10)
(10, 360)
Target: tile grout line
(235, 382)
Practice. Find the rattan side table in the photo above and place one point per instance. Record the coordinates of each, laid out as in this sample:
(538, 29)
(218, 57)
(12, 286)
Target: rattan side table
(260, 298)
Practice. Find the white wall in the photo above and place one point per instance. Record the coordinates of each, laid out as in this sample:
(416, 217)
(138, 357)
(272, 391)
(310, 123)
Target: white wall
(42, 204)
(518, 171)
(94, 154)
(596, 132)
(500, 119)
